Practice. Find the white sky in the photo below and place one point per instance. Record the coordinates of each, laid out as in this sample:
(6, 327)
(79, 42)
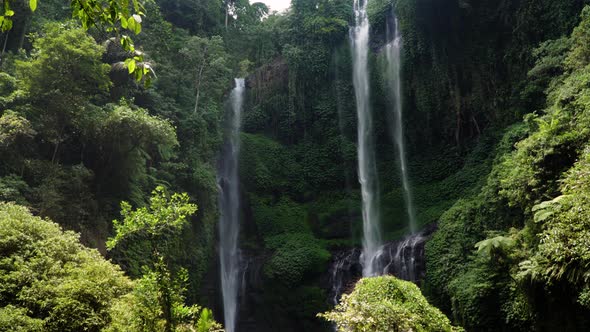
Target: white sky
(278, 5)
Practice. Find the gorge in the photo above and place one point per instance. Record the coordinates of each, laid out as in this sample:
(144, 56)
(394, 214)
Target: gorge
(429, 157)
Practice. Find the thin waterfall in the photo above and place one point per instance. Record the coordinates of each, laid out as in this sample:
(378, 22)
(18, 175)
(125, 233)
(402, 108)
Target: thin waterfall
(229, 208)
(367, 169)
(340, 107)
(393, 55)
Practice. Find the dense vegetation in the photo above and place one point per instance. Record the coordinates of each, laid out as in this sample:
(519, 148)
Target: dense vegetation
(123, 99)
(51, 282)
(528, 221)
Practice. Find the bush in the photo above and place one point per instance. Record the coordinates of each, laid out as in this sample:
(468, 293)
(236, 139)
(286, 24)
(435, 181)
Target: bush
(383, 304)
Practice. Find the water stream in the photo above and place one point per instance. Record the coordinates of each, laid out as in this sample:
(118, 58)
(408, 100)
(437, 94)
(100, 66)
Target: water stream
(393, 56)
(367, 168)
(229, 208)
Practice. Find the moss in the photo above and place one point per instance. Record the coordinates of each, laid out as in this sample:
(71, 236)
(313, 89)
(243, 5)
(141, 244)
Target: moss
(295, 257)
(275, 218)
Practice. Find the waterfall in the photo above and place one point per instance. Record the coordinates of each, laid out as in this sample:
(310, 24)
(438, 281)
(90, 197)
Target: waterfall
(393, 55)
(367, 168)
(404, 258)
(229, 208)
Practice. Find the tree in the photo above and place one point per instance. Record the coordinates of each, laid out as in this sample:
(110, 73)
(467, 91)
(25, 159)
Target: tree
(383, 304)
(140, 310)
(65, 74)
(48, 280)
(208, 60)
(124, 142)
(165, 215)
(16, 133)
(158, 301)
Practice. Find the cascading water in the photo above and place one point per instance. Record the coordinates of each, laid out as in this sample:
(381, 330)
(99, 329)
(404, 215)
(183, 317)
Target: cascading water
(342, 271)
(229, 207)
(403, 259)
(393, 55)
(367, 168)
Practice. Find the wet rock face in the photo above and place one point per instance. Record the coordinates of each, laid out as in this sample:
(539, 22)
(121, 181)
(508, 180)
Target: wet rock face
(403, 259)
(269, 79)
(251, 294)
(344, 272)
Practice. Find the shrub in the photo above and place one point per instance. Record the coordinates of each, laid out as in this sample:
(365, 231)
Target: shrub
(387, 304)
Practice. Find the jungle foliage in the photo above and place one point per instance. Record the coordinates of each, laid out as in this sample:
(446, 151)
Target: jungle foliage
(519, 244)
(51, 282)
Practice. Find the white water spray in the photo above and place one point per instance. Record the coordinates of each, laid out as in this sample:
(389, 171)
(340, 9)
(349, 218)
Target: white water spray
(229, 207)
(367, 168)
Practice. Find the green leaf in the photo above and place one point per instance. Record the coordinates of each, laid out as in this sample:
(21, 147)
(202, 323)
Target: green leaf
(137, 29)
(131, 65)
(135, 5)
(6, 23)
(33, 5)
(123, 23)
(138, 75)
(9, 13)
(542, 215)
(131, 23)
(499, 242)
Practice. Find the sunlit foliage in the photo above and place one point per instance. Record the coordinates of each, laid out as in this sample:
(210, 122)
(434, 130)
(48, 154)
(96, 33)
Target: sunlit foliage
(383, 304)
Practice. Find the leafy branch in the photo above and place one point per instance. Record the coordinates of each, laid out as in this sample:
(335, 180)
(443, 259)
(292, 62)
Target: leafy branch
(119, 17)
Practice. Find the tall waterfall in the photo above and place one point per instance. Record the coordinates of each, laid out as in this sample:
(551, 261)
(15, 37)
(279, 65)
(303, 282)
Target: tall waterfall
(229, 207)
(393, 55)
(367, 168)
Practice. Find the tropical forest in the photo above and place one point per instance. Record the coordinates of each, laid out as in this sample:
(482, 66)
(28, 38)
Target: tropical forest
(294, 166)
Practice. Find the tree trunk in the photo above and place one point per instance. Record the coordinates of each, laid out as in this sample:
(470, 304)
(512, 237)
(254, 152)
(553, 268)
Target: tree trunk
(198, 83)
(55, 150)
(226, 14)
(4, 46)
(21, 41)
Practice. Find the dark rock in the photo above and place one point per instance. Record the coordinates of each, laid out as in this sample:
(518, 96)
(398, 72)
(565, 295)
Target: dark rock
(403, 258)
